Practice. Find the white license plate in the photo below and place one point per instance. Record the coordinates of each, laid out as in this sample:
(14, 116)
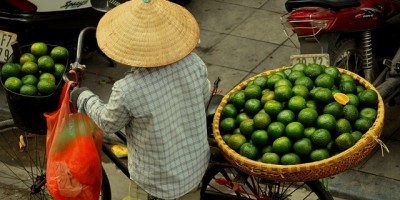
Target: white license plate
(6, 39)
(322, 59)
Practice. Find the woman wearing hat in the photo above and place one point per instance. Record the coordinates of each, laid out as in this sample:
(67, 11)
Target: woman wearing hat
(160, 102)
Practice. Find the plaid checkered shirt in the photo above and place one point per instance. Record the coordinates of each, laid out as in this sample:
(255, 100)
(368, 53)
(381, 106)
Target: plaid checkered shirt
(163, 113)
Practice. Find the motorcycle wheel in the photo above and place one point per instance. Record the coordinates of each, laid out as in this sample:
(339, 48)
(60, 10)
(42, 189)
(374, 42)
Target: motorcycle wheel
(347, 54)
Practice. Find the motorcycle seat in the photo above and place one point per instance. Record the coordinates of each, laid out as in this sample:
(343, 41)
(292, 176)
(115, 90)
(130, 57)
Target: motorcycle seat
(332, 4)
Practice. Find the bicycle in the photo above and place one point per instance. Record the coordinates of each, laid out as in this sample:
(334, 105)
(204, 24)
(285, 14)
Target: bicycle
(25, 168)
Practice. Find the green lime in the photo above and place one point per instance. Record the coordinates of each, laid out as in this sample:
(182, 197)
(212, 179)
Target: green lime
(345, 77)
(325, 81)
(334, 108)
(48, 76)
(319, 154)
(39, 49)
(296, 103)
(261, 81)
(298, 67)
(13, 83)
(333, 71)
(306, 81)
(360, 88)
(27, 57)
(276, 129)
(283, 93)
(268, 95)
(248, 150)
(326, 121)
(259, 137)
(59, 70)
(261, 120)
(229, 110)
(247, 127)
(345, 141)
(252, 92)
(46, 63)
(308, 116)
(321, 137)
(348, 87)
(300, 90)
(363, 124)
(281, 82)
(272, 79)
(282, 145)
(353, 99)
(343, 126)
(290, 159)
(350, 112)
(59, 53)
(29, 90)
(226, 137)
(266, 149)
(29, 80)
(356, 135)
(30, 67)
(294, 75)
(286, 116)
(240, 117)
(309, 131)
(236, 141)
(270, 158)
(10, 70)
(227, 125)
(311, 104)
(302, 147)
(368, 97)
(369, 113)
(273, 107)
(323, 95)
(238, 99)
(252, 106)
(313, 70)
(294, 130)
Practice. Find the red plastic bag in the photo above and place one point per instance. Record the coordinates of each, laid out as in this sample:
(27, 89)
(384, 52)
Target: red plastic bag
(73, 147)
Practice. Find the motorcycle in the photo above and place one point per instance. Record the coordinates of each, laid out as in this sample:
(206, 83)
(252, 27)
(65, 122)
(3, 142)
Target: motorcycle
(358, 35)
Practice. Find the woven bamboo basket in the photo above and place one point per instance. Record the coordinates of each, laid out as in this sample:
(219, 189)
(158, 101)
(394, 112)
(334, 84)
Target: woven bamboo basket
(305, 171)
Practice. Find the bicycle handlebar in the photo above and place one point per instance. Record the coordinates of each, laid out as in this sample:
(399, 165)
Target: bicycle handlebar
(76, 68)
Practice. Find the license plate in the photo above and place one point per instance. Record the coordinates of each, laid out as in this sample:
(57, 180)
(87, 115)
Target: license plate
(322, 59)
(6, 39)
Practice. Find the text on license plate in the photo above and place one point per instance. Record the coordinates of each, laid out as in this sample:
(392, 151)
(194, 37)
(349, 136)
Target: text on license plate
(322, 59)
(6, 39)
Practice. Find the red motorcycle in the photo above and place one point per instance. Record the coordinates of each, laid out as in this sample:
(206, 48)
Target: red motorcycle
(357, 34)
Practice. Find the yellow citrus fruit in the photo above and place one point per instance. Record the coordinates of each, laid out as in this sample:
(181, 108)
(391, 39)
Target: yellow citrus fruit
(341, 98)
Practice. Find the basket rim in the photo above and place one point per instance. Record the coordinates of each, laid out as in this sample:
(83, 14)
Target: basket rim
(371, 134)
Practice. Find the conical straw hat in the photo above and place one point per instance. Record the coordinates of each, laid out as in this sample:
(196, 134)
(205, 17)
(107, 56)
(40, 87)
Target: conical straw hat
(147, 33)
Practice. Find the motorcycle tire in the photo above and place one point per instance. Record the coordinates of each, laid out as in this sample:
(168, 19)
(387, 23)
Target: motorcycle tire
(347, 54)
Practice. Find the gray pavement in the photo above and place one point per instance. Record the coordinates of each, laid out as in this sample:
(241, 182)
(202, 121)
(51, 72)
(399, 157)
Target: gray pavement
(239, 39)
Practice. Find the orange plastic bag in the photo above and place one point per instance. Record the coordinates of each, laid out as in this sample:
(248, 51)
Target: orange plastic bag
(73, 147)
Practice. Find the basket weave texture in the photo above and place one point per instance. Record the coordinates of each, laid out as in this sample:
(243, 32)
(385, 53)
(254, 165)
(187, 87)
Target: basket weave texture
(305, 171)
